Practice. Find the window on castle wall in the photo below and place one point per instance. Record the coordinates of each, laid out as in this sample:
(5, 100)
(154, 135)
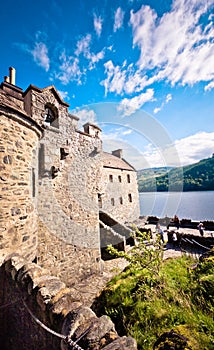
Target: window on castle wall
(128, 179)
(121, 200)
(41, 159)
(119, 178)
(130, 197)
(63, 153)
(51, 116)
(112, 202)
(111, 178)
(33, 183)
(100, 204)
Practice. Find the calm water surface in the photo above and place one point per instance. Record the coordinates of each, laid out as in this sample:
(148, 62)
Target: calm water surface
(190, 205)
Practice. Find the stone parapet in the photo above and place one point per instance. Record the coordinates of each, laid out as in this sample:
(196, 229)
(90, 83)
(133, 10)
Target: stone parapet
(31, 299)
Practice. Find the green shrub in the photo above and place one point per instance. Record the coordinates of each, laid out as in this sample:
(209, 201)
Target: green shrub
(152, 297)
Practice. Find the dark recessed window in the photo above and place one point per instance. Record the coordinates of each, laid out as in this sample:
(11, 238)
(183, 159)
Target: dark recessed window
(111, 178)
(121, 200)
(33, 183)
(130, 197)
(112, 201)
(128, 178)
(99, 200)
(119, 178)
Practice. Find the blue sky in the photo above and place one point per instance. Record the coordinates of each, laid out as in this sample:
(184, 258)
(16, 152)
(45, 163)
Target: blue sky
(142, 70)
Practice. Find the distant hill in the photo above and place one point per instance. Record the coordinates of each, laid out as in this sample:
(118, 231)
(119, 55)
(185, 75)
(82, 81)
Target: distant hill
(194, 177)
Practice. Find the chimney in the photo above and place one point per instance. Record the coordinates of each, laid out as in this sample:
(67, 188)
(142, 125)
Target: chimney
(92, 129)
(12, 76)
(6, 79)
(118, 153)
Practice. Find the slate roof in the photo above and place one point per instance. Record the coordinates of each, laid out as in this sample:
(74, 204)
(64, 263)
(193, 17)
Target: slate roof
(111, 161)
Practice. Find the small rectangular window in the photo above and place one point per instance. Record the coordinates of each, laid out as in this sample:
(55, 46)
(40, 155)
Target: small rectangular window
(112, 201)
(41, 160)
(128, 179)
(130, 197)
(33, 183)
(111, 178)
(119, 178)
(121, 200)
(99, 200)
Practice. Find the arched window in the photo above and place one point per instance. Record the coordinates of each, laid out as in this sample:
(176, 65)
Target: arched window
(51, 116)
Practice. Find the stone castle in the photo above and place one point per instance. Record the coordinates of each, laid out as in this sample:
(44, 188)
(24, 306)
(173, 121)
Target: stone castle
(63, 200)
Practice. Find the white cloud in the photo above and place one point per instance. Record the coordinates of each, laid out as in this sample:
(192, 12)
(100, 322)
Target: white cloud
(176, 45)
(127, 132)
(210, 86)
(98, 25)
(158, 109)
(182, 152)
(177, 48)
(64, 94)
(129, 106)
(195, 147)
(83, 47)
(95, 58)
(168, 98)
(118, 19)
(85, 115)
(69, 69)
(40, 55)
(190, 150)
(115, 78)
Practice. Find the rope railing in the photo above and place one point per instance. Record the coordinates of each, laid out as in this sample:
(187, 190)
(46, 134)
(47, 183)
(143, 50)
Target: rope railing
(193, 242)
(65, 338)
(201, 245)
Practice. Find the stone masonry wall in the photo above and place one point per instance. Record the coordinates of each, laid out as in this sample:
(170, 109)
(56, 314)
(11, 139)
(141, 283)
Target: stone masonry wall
(68, 182)
(67, 202)
(18, 169)
(68, 208)
(72, 264)
(28, 290)
(121, 199)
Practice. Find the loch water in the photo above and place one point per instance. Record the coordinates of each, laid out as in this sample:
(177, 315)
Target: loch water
(186, 205)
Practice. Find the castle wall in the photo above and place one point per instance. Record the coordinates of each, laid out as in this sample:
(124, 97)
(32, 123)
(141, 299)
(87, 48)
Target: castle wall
(68, 206)
(29, 294)
(68, 182)
(18, 169)
(50, 179)
(121, 198)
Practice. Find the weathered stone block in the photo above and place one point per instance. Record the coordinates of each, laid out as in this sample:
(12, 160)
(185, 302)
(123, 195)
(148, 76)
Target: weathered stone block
(123, 343)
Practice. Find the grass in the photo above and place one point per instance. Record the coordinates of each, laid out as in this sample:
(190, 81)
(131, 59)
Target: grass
(146, 305)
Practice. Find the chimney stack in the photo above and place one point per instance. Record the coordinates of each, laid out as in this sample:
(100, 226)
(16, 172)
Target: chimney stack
(118, 153)
(6, 79)
(12, 76)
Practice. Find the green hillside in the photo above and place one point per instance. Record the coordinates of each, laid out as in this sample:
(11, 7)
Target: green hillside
(194, 177)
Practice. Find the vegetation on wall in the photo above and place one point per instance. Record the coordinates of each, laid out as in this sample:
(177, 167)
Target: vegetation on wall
(195, 177)
(162, 304)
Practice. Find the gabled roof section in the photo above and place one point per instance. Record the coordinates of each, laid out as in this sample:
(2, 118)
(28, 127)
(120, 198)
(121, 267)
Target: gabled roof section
(51, 88)
(111, 161)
